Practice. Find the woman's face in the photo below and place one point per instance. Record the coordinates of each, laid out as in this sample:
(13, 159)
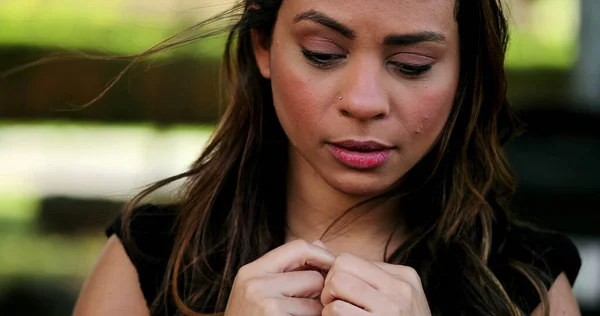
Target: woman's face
(362, 88)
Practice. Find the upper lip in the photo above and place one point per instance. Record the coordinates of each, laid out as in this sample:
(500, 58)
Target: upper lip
(356, 145)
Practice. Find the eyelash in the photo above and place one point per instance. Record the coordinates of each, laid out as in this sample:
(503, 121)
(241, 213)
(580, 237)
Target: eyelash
(321, 60)
(409, 70)
(327, 61)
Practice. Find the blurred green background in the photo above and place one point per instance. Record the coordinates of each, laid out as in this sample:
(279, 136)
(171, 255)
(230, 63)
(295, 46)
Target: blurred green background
(65, 174)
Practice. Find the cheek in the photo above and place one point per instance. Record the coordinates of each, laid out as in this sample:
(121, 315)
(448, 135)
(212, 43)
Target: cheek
(296, 101)
(430, 112)
(431, 102)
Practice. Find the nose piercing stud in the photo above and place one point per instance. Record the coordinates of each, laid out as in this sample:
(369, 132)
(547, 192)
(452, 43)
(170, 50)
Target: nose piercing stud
(341, 98)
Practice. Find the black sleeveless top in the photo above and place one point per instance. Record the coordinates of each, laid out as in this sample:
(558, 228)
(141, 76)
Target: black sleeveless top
(152, 237)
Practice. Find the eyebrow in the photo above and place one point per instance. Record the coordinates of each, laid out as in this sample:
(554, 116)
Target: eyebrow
(414, 38)
(324, 20)
(390, 40)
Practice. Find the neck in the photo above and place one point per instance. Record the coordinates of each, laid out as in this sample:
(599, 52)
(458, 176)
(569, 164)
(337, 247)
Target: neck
(313, 207)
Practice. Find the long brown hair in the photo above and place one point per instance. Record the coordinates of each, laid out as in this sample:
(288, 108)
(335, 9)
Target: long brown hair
(231, 210)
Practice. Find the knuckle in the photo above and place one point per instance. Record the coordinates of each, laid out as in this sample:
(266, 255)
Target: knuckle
(337, 307)
(300, 243)
(335, 284)
(315, 276)
(244, 272)
(341, 281)
(404, 289)
(300, 246)
(343, 262)
(252, 289)
(412, 275)
(344, 258)
(270, 306)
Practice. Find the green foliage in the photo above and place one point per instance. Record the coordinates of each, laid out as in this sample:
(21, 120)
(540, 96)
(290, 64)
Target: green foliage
(18, 208)
(27, 253)
(528, 51)
(24, 250)
(64, 27)
(547, 37)
(102, 26)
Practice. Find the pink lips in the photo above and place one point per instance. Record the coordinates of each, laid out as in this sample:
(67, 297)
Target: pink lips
(360, 155)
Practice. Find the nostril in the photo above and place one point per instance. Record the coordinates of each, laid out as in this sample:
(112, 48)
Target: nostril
(346, 113)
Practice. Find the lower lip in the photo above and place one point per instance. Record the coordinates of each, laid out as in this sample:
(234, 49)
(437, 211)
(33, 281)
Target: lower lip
(358, 159)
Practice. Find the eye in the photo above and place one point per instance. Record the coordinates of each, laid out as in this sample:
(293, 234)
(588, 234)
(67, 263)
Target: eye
(409, 70)
(322, 60)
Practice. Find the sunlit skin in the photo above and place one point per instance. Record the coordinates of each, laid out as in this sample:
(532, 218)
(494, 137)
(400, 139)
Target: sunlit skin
(380, 102)
(358, 83)
(382, 71)
(397, 93)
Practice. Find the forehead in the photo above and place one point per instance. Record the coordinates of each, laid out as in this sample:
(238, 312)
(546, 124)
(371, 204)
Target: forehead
(370, 16)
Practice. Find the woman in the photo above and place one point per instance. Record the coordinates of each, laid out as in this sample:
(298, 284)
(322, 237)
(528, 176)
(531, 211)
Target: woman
(357, 170)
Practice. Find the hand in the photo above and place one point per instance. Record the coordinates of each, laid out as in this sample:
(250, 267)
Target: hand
(285, 281)
(355, 286)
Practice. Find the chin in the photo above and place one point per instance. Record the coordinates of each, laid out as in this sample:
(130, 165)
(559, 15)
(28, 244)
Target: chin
(359, 184)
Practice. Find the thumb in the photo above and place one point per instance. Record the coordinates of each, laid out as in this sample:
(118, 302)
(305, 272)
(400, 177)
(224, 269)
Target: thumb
(294, 255)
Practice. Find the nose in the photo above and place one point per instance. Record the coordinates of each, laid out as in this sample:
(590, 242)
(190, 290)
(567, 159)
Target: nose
(363, 96)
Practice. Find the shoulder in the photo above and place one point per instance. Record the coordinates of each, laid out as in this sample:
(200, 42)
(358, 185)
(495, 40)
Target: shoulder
(543, 253)
(147, 231)
(147, 235)
(147, 219)
(549, 251)
(112, 287)
(561, 300)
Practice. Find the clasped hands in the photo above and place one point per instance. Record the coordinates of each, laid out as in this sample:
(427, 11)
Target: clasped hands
(304, 279)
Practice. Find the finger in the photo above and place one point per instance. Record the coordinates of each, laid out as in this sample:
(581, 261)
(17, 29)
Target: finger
(404, 273)
(341, 308)
(350, 289)
(304, 284)
(300, 306)
(294, 255)
(367, 271)
(320, 244)
(360, 268)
